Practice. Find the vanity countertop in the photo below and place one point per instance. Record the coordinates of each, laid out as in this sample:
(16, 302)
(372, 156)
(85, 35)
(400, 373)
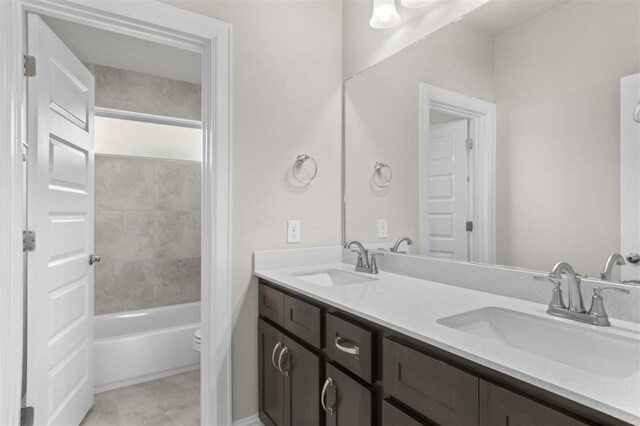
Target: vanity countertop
(413, 306)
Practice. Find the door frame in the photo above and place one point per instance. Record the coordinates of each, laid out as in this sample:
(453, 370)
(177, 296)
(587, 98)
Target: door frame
(163, 24)
(482, 117)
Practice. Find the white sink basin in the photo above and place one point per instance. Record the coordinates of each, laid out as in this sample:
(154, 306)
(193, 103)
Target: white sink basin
(333, 278)
(585, 348)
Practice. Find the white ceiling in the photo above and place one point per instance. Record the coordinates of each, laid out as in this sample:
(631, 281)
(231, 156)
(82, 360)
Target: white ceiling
(498, 16)
(129, 53)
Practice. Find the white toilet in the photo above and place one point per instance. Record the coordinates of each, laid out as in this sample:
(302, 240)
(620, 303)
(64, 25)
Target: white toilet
(196, 340)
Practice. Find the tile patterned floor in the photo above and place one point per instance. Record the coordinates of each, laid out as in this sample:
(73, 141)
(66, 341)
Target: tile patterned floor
(174, 400)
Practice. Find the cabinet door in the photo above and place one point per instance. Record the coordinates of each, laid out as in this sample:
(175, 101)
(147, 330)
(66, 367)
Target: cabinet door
(500, 407)
(348, 402)
(302, 385)
(270, 380)
(440, 392)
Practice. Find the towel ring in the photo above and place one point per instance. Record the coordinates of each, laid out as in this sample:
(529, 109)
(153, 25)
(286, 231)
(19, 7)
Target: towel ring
(377, 170)
(298, 163)
(636, 113)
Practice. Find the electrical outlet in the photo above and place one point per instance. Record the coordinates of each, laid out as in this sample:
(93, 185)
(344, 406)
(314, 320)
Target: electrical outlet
(293, 231)
(383, 228)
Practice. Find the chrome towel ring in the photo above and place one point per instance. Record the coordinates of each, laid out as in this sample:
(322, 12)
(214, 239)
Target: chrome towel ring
(377, 171)
(298, 164)
(636, 113)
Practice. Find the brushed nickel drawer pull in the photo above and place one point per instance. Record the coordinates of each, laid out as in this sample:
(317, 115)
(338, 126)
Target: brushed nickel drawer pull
(323, 396)
(352, 349)
(284, 351)
(273, 355)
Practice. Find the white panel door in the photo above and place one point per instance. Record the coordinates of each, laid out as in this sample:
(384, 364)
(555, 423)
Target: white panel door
(60, 280)
(630, 173)
(447, 191)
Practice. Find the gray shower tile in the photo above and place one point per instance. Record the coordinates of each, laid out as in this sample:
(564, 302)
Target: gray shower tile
(178, 186)
(178, 234)
(123, 286)
(177, 281)
(125, 235)
(124, 183)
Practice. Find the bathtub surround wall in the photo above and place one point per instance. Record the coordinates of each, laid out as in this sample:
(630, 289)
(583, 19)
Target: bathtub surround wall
(147, 231)
(133, 91)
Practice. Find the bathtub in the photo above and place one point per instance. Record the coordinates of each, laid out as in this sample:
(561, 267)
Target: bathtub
(138, 346)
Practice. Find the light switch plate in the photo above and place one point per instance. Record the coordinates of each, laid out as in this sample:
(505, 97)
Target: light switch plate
(293, 231)
(383, 228)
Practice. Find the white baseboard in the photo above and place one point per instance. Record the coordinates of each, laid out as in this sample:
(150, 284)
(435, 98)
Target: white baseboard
(249, 421)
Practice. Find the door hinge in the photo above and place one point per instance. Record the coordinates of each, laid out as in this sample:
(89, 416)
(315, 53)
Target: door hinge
(469, 143)
(469, 226)
(29, 66)
(28, 241)
(26, 416)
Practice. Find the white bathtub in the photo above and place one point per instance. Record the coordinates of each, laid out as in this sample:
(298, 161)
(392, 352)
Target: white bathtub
(138, 346)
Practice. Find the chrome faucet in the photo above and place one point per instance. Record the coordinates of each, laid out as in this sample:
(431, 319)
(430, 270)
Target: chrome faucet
(575, 295)
(395, 247)
(363, 264)
(596, 315)
(614, 259)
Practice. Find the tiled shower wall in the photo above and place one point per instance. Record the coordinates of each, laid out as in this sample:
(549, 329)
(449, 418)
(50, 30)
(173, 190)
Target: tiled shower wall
(147, 231)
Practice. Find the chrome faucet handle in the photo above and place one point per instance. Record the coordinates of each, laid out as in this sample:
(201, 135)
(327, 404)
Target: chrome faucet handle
(597, 291)
(373, 263)
(597, 304)
(556, 295)
(547, 278)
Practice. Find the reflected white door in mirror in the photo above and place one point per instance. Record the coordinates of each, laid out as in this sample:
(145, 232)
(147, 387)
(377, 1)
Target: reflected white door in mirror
(447, 190)
(457, 183)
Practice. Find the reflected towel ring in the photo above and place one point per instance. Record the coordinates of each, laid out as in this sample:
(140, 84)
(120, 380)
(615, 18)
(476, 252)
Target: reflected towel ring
(636, 113)
(377, 170)
(298, 163)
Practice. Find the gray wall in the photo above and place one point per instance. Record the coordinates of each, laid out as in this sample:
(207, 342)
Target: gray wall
(287, 100)
(558, 134)
(137, 92)
(147, 230)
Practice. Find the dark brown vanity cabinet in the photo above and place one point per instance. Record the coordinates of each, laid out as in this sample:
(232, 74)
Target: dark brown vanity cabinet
(345, 401)
(501, 407)
(319, 365)
(289, 380)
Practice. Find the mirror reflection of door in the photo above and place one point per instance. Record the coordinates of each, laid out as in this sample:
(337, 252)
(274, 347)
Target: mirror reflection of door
(447, 188)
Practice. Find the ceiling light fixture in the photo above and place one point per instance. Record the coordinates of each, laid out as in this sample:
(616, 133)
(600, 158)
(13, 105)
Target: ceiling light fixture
(384, 14)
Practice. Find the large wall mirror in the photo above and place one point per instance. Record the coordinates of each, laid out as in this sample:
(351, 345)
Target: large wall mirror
(506, 137)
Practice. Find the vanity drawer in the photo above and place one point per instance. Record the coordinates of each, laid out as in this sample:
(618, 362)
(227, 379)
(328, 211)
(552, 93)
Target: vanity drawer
(271, 303)
(351, 346)
(393, 416)
(302, 319)
(435, 389)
